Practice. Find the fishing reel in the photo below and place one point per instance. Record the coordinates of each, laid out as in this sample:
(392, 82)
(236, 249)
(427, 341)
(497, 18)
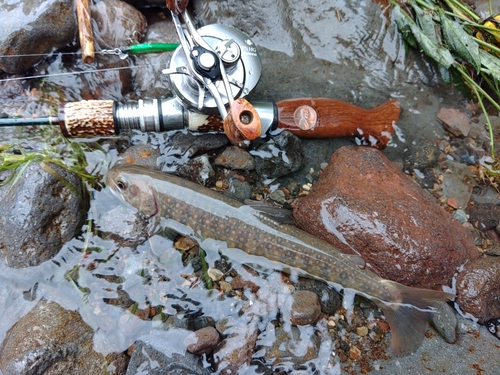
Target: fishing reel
(211, 72)
(213, 66)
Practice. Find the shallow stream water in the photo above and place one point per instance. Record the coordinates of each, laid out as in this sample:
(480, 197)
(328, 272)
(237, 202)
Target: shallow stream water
(348, 50)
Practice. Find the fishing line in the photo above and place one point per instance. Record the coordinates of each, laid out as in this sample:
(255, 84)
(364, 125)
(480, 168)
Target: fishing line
(77, 72)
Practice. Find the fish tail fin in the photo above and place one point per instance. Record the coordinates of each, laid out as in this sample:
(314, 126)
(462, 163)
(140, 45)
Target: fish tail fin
(409, 316)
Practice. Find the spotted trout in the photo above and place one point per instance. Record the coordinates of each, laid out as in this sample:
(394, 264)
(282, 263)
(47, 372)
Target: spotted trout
(206, 215)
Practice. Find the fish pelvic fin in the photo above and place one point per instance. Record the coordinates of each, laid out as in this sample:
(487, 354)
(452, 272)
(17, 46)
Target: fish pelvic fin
(409, 317)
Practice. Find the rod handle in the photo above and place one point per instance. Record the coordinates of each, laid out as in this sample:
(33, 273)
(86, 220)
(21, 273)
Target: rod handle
(87, 119)
(325, 118)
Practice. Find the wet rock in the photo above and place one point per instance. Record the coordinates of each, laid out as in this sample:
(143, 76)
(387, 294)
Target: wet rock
(302, 308)
(281, 155)
(141, 154)
(130, 231)
(329, 299)
(236, 158)
(160, 353)
(478, 288)
(42, 210)
(52, 340)
(198, 170)
(294, 345)
(455, 121)
(485, 194)
(445, 322)
(117, 24)
(236, 349)
(186, 143)
(202, 341)
(493, 326)
(237, 189)
(34, 27)
(484, 216)
(278, 196)
(458, 182)
(239, 282)
(363, 204)
(420, 155)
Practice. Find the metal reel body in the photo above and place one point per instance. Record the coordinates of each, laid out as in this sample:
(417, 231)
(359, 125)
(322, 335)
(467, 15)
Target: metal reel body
(241, 61)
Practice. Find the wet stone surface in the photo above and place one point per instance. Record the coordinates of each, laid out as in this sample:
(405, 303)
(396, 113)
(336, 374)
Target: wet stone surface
(50, 339)
(43, 208)
(478, 287)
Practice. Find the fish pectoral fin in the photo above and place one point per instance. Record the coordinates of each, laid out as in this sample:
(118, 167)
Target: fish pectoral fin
(277, 214)
(409, 317)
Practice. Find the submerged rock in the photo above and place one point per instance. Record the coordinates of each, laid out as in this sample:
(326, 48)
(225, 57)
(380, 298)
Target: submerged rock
(236, 350)
(291, 345)
(117, 24)
(161, 352)
(42, 210)
(302, 308)
(52, 340)
(478, 288)
(364, 205)
(34, 27)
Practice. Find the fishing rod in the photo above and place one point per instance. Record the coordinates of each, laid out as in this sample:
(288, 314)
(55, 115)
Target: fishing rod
(210, 73)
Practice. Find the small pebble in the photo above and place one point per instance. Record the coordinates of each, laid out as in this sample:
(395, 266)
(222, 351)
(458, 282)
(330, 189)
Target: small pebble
(202, 341)
(215, 274)
(305, 308)
(278, 196)
(225, 286)
(383, 325)
(452, 203)
(362, 331)
(354, 353)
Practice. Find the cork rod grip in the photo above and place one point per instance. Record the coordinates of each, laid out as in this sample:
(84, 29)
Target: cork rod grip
(324, 118)
(88, 118)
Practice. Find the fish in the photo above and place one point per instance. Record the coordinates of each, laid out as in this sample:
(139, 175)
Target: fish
(207, 215)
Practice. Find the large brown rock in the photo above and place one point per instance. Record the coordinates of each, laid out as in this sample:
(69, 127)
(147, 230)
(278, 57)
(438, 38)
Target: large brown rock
(365, 205)
(53, 341)
(478, 288)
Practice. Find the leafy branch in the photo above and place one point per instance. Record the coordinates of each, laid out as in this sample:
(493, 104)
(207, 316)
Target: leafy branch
(451, 34)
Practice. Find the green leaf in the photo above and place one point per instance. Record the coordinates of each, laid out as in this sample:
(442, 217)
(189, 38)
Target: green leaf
(426, 23)
(445, 74)
(460, 41)
(491, 63)
(404, 27)
(431, 49)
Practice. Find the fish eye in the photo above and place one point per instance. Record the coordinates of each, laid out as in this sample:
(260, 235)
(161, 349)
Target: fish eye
(121, 184)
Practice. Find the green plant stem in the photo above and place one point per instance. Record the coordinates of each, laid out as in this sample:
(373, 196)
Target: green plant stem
(487, 45)
(480, 93)
(490, 128)
(459, 8)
